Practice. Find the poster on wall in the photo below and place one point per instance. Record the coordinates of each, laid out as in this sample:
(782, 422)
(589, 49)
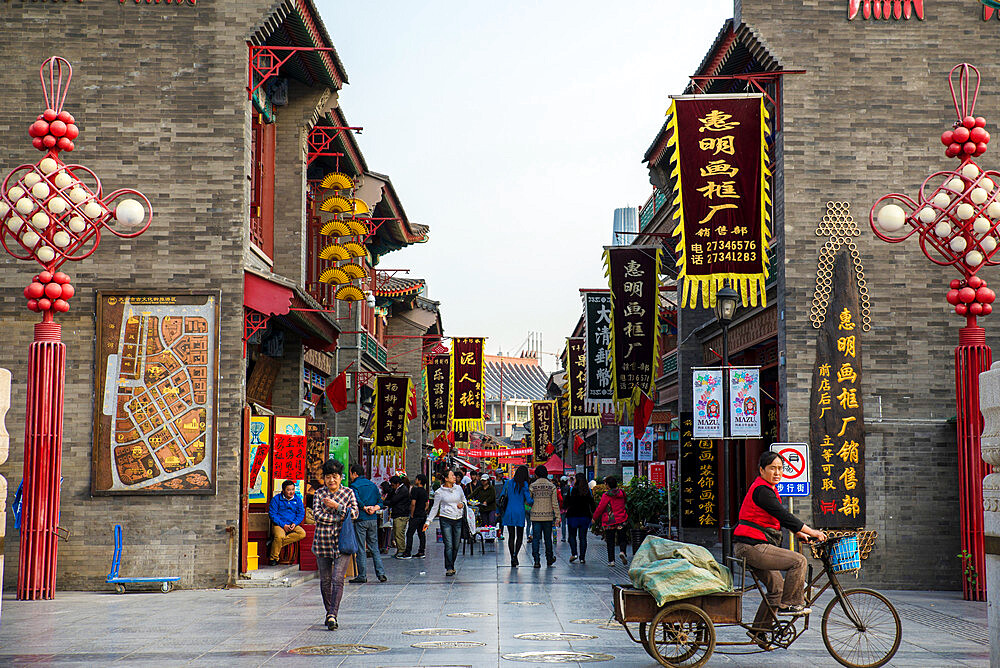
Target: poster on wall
(288, 461)
(699, 479)
(626, 443)
(707, 403)
(744, 401)
(156, 393)
(260, 456)
(316, 447)
(340, 449)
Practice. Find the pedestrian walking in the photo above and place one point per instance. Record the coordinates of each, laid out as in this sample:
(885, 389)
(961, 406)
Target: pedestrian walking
(449, 507)
(399, 511)
(515, 508)
(331, 504)
(544, 515)
(564, 489)
(366, 526)
(580, 507)
(419, 502)
(612, 516)
(487, 498)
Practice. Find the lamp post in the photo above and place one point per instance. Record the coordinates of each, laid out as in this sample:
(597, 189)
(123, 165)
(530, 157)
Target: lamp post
(50, 213)
(726, 301)
(956, 218)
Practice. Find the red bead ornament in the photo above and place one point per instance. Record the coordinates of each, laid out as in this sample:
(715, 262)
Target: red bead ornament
(987, 309)
(947, 137)
(53, 291)
(967, 295)
(969, 122)
(61, 305)
(961, 135)
(976, 308)
(952, 297)
(962, 309)
(68, 291)
(975, 282)
(956, 283)
(50, 115)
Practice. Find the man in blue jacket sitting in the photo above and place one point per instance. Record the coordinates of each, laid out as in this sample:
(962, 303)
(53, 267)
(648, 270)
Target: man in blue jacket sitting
(287, 512)
(366, 526)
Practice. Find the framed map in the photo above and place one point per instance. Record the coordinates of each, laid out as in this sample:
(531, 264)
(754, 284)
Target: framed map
(156, 393)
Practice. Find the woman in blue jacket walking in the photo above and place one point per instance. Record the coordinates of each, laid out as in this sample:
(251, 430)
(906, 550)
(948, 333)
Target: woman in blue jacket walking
(518, 497)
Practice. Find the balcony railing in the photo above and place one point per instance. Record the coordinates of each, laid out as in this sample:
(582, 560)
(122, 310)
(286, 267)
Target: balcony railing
(655, 202)
(374, 349)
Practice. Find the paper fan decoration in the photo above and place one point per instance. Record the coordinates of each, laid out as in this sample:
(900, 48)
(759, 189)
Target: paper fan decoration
(336, 228)
(350, 293)
(354, 271)
(355, 249)
(336, 252)
(337, 181)
(334, 275)
(356, 227)
(339, 204)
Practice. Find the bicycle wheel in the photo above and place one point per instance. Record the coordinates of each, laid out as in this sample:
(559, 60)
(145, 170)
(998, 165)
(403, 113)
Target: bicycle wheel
(869, 643)
(681, 636)
(644, 638)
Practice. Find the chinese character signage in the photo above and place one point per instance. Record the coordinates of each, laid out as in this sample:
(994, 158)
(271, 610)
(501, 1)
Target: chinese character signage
(597, 317)
(437, 395)
(658, 474)
(467, 383)
(634, 275)
(543, 415)
(289, 460)
(837, 428)
(316, 449)
(744, 401)
(699, 479)
(392, 395)
(626, 443)
(722, 195)
(707, 403)
(576, 375)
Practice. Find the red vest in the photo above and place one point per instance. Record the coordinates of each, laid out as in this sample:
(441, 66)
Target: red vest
(751, 512)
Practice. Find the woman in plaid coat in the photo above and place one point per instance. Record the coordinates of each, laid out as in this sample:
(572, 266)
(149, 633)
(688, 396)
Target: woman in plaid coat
(331, 503)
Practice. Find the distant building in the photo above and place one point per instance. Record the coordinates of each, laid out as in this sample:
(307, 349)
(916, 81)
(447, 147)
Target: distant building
(520, 380)
(626, 226)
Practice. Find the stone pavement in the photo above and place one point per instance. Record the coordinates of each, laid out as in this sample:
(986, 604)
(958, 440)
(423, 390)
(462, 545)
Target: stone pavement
(262, 626)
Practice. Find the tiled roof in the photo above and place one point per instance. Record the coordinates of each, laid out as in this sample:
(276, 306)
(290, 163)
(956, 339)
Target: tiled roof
(395, 286)
(523, 378)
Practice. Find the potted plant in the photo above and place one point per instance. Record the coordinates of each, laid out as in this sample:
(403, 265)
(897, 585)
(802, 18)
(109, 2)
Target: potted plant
(646, 505)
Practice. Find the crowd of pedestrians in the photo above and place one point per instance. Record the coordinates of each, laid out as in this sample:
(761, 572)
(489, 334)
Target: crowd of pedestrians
(528, 502)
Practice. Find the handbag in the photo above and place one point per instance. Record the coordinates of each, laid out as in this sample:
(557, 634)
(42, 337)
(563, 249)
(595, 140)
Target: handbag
(502, 503)
(347, 542)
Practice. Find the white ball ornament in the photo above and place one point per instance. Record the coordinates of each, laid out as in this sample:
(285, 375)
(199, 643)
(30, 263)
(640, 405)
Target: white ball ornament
(93, 210)
(48, 165)
(987, 184)
(891, 218)
(77, 224)
(956, 184)
(993, 210)
(61, 239)
(29, 238)
(965, 211)
(15, 194)
(958, 244)
(973, 258)
(130, 213)
(40, 220)
(78, 195)
(942, 229)
(978, 195)
(40, 190)
(25, 206)
(988, 244)
(981, 225)
(31, 179)
(45, 254)
(941, 200)
(927, 215)
(57, 205)
(4, 209)
(15, 223)
(64, 180)
(970, 171)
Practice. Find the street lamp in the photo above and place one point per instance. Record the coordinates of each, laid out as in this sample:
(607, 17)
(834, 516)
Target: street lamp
(50, 213)
(726, 301)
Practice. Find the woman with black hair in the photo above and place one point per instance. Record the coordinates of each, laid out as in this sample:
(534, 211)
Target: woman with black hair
(518, 497)
(331, 503)
(612, 516)
(757, 538)
(449, 508)
(580, 508)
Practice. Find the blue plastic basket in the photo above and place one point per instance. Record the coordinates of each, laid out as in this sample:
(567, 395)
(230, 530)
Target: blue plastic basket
(845, 555)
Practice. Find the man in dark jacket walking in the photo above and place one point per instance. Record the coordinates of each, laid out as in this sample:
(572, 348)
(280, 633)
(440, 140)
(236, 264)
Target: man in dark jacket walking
(366, 526)
(398, 501)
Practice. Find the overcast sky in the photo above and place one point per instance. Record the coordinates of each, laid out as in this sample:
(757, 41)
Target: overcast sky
(514, 130)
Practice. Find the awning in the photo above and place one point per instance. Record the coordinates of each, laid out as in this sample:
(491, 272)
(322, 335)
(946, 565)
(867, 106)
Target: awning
(266, 296)
(466, 464)
(554, 465)
(293, 308)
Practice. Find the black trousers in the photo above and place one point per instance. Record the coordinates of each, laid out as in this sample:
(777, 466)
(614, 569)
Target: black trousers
(515, 539)
(611, 536)
(416, 526)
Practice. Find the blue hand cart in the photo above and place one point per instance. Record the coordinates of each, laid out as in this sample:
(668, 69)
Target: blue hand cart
(166, 583)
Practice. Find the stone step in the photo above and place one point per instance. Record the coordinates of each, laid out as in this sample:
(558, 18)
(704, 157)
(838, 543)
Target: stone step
(286, 580)
(273, 572)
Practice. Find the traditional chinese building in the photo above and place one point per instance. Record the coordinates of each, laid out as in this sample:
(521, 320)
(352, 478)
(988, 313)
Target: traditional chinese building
(856, 114)
(246, 177)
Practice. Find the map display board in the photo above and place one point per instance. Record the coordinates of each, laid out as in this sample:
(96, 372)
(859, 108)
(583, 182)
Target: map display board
(156, 393)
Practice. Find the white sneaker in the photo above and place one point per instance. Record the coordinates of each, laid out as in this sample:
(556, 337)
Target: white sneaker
(611, 563)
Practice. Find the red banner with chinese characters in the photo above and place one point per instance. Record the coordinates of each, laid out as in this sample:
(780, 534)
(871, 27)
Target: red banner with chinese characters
(497, 452)
(543, 426)
(289, 460)
(722, 195)
(576, 376)
(467, 385)
(437, 376)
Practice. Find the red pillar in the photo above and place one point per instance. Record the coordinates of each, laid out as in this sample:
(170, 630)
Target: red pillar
(36, 573)
(972, 357)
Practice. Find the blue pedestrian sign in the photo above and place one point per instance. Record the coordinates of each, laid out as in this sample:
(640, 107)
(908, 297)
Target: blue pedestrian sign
(795, 475)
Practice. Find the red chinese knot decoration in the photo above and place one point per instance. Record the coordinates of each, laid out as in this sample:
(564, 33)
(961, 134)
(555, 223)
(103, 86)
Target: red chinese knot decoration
(50, 211)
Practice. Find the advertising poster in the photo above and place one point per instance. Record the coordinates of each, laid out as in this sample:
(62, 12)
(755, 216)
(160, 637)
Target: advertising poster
(340, 449)
(707, 403)
(626, 443)
(744, 401)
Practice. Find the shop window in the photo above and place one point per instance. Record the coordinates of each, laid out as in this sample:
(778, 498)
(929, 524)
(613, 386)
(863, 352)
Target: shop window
(262, 186)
